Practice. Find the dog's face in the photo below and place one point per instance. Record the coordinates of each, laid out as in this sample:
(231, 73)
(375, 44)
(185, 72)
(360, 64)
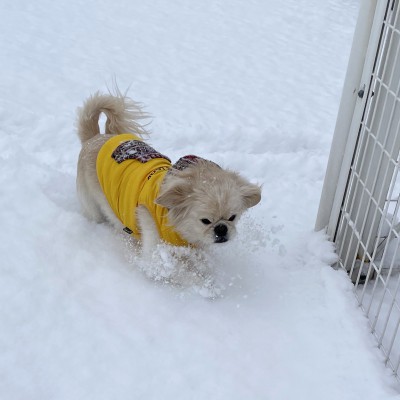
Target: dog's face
(205, 202)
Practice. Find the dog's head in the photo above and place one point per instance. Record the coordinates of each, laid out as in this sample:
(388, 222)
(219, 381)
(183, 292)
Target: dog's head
(205, 202)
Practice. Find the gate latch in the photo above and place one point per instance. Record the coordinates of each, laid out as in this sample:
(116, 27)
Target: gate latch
(361, 92)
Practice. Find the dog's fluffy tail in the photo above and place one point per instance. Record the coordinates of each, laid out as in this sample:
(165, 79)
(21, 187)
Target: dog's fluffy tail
(122, 115)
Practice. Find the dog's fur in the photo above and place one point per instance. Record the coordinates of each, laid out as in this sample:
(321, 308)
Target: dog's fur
(204, 201)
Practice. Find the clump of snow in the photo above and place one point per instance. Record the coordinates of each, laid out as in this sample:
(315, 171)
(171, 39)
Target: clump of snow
(254, 86)
(203, 271)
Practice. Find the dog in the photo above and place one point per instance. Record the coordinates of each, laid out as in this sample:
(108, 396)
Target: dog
(123, 181)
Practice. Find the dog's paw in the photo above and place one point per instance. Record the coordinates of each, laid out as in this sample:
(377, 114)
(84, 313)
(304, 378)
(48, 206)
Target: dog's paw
(209, 289)
(184, 268)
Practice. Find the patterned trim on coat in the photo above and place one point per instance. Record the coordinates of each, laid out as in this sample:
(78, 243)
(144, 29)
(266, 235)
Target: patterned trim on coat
(136, 150)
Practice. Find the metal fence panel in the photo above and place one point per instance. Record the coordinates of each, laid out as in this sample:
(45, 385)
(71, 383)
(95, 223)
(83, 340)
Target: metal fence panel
(364, 216)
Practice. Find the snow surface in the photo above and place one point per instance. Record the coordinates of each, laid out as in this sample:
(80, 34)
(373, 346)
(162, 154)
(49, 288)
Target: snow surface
(253, 85)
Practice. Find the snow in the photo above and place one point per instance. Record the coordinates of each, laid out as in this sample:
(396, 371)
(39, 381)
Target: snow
(254, 86)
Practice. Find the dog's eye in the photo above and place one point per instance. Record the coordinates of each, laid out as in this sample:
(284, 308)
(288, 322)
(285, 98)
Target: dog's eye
(232, 218)
(205, 221)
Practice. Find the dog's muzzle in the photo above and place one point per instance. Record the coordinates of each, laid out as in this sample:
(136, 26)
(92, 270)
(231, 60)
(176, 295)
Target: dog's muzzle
(221, 233)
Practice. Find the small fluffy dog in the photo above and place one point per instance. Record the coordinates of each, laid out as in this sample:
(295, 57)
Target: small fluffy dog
(125, 182)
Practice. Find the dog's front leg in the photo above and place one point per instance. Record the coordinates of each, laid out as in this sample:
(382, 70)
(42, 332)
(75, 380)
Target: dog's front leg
(148, 231)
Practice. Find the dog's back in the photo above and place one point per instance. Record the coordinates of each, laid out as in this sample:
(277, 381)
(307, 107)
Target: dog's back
(122, 115)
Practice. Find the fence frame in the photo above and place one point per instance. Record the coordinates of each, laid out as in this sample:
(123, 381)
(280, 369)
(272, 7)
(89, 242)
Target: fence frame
(358, 78)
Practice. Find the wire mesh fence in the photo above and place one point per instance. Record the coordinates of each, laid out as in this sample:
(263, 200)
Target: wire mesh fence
(367, 234)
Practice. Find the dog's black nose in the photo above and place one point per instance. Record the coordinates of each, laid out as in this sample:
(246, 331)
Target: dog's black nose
(221, 231)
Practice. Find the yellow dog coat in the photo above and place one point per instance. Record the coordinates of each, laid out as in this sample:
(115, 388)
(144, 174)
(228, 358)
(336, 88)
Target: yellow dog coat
(130, 173)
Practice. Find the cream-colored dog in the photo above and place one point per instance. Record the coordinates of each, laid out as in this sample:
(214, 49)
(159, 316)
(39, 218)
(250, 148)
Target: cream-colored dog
(193, 202)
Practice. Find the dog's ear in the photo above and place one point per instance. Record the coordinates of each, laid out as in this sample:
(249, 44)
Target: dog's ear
(251, 194)
(174, 196)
